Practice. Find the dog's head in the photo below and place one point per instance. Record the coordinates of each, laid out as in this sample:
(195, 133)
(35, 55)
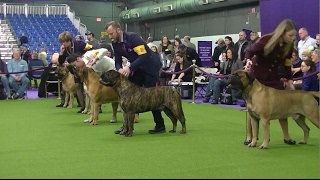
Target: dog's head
(79, 72)
(61, 72)
(110, 78)
(240, 80)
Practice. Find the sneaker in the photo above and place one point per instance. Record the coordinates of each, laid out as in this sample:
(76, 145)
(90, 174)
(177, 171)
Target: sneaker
(59, 105)
(157, 130)
(214, 102)
(15, 96)
(113, 120)
(20, 98)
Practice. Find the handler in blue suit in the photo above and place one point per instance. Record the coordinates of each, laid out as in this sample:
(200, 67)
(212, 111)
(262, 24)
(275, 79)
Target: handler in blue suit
(144, 64)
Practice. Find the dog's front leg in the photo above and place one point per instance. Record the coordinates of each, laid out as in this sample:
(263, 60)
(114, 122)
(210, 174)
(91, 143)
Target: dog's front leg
(95, 113)
(66, 99)
(254, 126)
(86, 109)
(266, 133)
(71, 97)
(125, 124)
(114, 110)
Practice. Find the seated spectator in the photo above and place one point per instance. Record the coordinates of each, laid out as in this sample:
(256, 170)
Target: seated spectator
(164, 76)
(43, 56)
(310, 83)
(35, 74)
(23, 39)
(78, 38)
(4, 79)
(296, 63)
(209, 89)
(18, 65)
(181, 65)
(229, 66)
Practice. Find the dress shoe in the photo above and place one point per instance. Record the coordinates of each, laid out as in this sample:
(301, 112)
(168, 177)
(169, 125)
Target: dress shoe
(214, 102)
(206, 99)
(80, 111)
(289, 141)
(59, 105)
(246, 142)
(157, 130)
(119, 130)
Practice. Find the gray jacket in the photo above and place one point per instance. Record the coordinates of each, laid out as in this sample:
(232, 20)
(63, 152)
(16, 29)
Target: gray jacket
(234, 67)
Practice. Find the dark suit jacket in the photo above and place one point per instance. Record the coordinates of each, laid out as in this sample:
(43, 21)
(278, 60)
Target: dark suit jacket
(79, 47)
(138, 53)
(266, 68)
(188, 74)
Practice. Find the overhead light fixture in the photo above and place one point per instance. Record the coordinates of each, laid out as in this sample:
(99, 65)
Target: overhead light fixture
(135, 15)
(203, 2)
(126, 16)
(218, 0)
(156, 10)
(168, 8)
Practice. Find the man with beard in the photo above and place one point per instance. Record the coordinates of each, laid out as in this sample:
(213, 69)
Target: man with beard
(144, 64)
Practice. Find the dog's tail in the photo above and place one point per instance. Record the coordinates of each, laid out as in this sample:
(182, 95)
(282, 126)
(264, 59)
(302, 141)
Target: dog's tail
(315, 93)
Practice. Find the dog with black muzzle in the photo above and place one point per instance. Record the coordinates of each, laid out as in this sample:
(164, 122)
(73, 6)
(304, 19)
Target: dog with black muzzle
(68, 85)
(134, 99)
(265, 103)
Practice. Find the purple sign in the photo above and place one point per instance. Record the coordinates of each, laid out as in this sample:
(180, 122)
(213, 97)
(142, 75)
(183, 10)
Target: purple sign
(205, 52)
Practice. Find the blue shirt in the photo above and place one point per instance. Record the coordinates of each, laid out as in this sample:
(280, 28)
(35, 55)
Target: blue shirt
(17, 66)
(310, 83)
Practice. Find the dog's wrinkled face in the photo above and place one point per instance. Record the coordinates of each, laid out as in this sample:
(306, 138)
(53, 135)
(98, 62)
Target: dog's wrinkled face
(109, 78)
(61, 72)
(79, 72)
(240, 80)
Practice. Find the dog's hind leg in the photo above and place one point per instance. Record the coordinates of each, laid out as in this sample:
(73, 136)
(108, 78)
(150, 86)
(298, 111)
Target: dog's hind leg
(300, 120)
(170, 114)
(125, 124)
(130, 123)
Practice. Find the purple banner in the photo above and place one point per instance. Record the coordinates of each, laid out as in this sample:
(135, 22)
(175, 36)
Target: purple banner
(205, 52)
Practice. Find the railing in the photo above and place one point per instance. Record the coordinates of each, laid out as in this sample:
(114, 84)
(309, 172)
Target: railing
(48, 9)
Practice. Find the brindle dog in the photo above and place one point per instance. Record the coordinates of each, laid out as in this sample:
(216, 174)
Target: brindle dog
(68, 85)
(135, 99)
(98, 93)
(265, 103)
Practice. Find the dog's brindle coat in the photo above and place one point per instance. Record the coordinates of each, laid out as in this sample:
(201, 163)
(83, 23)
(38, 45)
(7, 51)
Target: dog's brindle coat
(98, 93)
(265, 103)
(68, 85)
(135, 99)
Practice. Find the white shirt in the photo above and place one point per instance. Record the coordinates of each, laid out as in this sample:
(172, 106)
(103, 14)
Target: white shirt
(304, 44)
(104, 63)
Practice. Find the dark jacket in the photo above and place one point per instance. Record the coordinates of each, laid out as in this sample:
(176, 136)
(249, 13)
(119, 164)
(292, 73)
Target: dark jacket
(23, 40)
(191, 55)
(79, 47)
(243, 49)
(217, 52)
(310, 83)
(138, 53)
(188, 74)
(265, 68)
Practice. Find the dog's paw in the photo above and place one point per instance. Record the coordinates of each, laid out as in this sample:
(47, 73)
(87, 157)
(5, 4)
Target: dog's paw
(123, 133)
(262, 146)
(94, 122)
(182, 131)
(65, 105)
(252, 144)
(128, 134)
(302, 142)
(69, 107)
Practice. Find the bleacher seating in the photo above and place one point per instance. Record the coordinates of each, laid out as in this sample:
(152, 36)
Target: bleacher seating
(42, 31)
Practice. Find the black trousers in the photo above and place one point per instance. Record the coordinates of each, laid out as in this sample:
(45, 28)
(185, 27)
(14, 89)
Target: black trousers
(142, 79)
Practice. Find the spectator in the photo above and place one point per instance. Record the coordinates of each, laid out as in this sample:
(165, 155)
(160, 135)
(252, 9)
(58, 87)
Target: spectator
(217, 52)
(190, 54)
(25, 53)
(310, 83)
(91, 40)
(4, 78)
(305, 41)
(318, 41)
(165, 46)
(78, 38)
(181, 65)
(241, 45)
(43, 56)
(18, 65)
(189, 44)
(23, 39)
(150, 42)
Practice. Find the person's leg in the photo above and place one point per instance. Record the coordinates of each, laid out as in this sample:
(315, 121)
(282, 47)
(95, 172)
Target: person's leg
(209, 90)
(25, 81)
(216, 91)
(62, 97)
(284, 127)
(150, 81)
(5, 83)
(13, 83)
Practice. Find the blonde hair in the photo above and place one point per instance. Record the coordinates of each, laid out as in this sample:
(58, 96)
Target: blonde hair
(65, 37)
(276, 37)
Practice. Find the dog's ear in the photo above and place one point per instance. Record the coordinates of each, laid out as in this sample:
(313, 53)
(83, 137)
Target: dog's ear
(250, 77)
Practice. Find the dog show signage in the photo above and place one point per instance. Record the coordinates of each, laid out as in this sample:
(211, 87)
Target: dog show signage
(205, 52)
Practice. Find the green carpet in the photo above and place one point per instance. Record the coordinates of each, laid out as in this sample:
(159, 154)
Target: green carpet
(39, 140)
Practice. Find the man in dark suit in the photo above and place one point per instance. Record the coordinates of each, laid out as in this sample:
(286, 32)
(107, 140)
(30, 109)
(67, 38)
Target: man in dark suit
(190, 53)
(144, 64)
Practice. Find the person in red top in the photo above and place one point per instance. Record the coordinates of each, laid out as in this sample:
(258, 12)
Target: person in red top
(267, 59)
